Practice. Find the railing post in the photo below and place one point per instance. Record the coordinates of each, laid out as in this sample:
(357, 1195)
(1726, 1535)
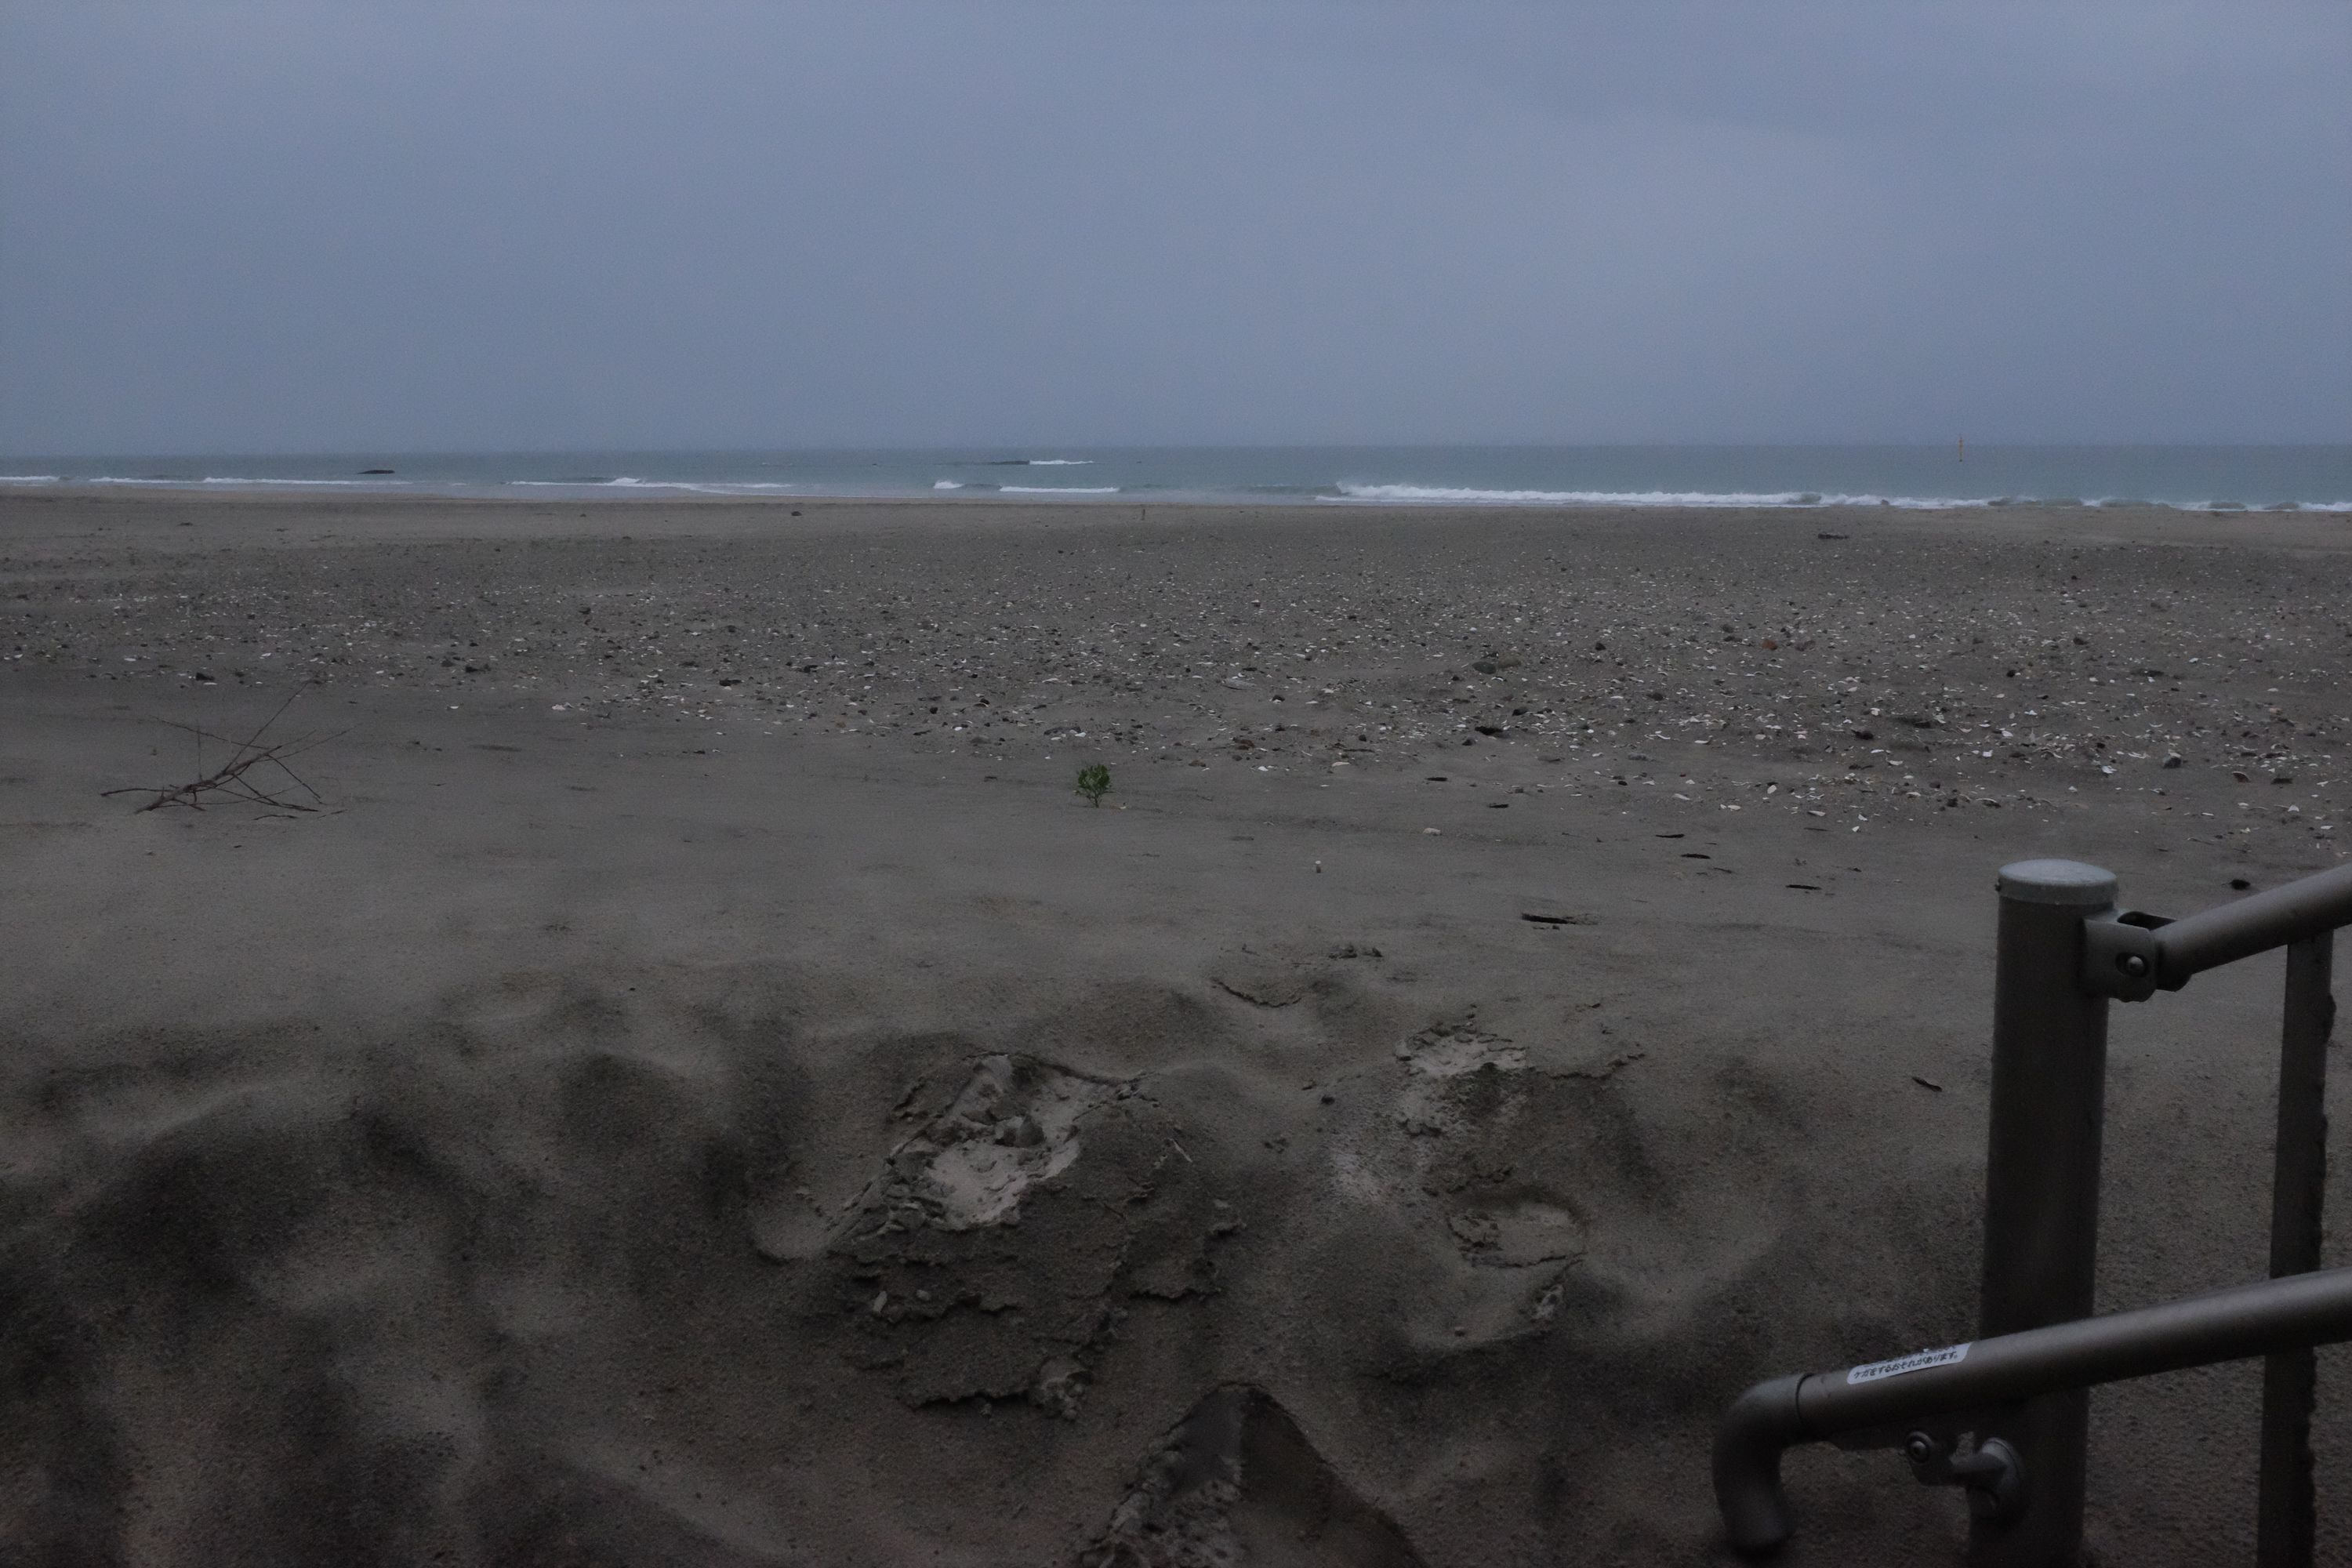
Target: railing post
(2042, 1186)
(2286, 1515)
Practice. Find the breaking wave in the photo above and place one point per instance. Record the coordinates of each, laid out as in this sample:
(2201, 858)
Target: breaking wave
(627, 482)
(1461, 496)
(240, 482)
(1059, 490)
(1451, 495)
(306, 484)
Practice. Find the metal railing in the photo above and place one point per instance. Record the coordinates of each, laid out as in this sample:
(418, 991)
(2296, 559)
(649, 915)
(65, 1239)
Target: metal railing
(2007, 1415)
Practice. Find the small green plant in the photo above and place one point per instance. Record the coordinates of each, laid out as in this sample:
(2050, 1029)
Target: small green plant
(1094, 782)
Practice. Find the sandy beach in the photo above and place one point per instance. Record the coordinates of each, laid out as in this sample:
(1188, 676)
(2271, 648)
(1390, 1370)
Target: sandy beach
(703, 1089)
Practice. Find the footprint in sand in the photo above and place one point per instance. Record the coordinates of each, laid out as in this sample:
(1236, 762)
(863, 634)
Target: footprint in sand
(990, 1256)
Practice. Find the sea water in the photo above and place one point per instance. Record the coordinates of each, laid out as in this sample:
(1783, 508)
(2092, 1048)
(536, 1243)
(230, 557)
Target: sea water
(2316, 478)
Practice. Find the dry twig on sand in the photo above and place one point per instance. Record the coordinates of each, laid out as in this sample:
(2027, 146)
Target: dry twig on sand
(231, 780)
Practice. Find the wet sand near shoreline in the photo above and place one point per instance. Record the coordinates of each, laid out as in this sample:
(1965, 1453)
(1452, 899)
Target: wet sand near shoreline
(704, 1089)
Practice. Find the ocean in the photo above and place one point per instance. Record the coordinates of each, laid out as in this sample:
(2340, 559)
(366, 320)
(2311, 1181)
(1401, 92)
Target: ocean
(2219, 479)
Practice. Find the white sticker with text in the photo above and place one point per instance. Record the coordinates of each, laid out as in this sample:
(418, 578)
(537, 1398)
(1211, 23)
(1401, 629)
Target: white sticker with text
(1917, 1361)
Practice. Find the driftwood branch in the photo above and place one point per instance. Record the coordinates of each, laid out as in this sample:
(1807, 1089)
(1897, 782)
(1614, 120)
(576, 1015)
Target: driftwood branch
(237, 779)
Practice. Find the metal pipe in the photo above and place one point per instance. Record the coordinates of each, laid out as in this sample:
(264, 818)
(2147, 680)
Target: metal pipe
(2256, 923)
(2286, 1515)
(1760, 1426)
(2041, 1184)
(2243, 1321)
(1983, 1378)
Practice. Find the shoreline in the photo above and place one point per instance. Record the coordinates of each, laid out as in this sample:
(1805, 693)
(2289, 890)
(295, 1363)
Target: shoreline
(662, 496)
(2305, 527)
(2211, 478)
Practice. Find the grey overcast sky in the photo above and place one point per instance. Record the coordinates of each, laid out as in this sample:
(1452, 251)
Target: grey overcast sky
(232, 225)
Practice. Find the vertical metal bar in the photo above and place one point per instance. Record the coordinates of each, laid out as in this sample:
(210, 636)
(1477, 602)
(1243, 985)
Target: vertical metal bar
(2042, 1186)
(2287, 1513)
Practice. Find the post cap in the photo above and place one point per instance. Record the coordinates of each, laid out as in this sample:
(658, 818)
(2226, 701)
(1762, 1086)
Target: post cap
(2066, 882)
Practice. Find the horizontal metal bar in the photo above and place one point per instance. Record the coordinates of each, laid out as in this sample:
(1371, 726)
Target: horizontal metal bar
(2257, 924)
(2228, 1325)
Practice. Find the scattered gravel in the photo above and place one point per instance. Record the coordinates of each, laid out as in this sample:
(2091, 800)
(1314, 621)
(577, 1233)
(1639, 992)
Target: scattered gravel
(1736, 662)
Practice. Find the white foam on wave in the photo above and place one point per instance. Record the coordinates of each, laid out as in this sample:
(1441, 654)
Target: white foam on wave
(29, 479)
(1060, 462)
(305, 484)
(947, 484)
(243, 483)
(1464, 496)
(1059, 490)
(1468, 496)
(1918, 503)
(627, 482)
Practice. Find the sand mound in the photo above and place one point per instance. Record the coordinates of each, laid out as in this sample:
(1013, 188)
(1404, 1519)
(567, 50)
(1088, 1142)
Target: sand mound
(1237, 1482)
(637, 1269)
